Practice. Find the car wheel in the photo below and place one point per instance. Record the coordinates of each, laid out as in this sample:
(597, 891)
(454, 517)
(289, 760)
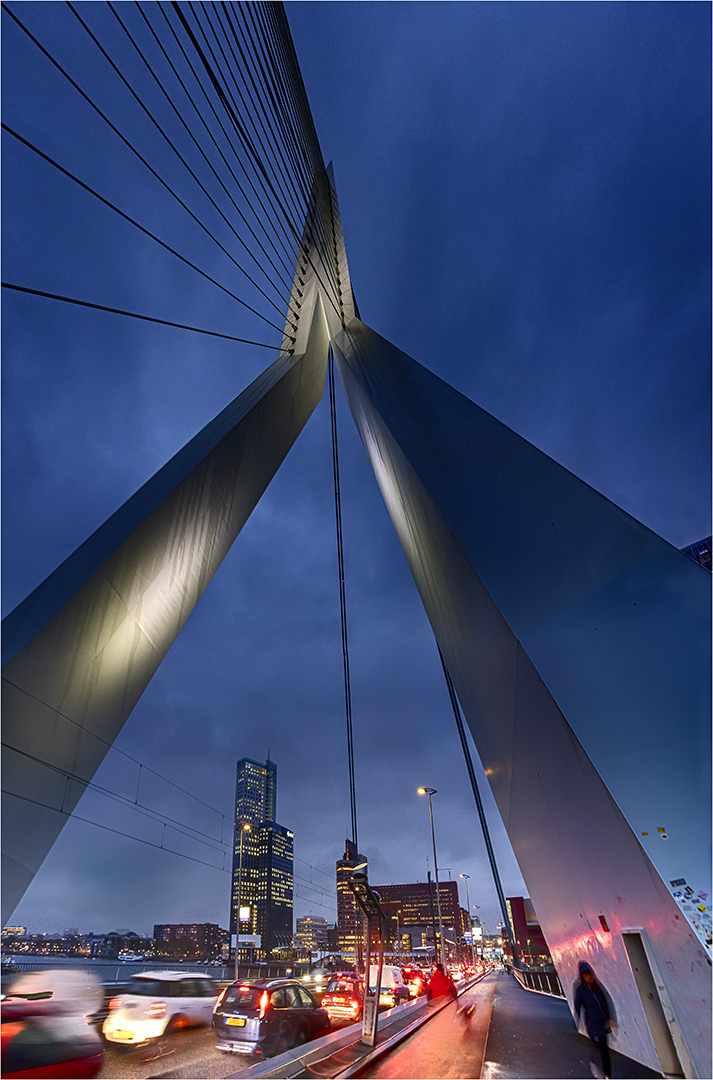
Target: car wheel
(300, 1038)
(176, 1023)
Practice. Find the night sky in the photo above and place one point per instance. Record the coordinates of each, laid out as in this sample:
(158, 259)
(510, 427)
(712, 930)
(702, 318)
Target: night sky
(524, 191)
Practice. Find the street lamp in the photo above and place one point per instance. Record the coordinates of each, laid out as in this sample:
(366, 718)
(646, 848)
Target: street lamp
(470, 919)
(245, 828)
(432, 791)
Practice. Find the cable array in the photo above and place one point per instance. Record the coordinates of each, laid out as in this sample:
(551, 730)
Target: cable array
(205, 104)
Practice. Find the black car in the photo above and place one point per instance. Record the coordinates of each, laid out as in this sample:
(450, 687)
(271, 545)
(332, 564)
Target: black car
(267, 1017)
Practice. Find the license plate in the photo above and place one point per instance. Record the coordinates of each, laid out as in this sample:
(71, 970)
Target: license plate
(235, 1021)
(123, 1035)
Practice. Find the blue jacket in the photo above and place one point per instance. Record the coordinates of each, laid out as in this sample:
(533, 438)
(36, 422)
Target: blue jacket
(597, 1005)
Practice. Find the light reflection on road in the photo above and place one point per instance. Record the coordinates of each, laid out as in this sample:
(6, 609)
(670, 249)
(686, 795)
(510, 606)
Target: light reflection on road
(186, 1054)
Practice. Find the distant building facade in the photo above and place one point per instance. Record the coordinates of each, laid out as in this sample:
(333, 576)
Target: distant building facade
(312, 933)
(415, 906)
(200, 940)
(700, 551)
(264, 881)
(529, 939)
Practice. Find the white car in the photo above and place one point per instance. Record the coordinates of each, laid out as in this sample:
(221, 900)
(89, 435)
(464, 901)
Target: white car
(394, 990)
(158, 1003)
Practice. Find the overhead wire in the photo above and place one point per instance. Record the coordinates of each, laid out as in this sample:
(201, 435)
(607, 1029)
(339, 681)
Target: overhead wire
(289, 141)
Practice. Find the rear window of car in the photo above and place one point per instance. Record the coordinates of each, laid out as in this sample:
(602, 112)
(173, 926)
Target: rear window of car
(149, 988)
(341, 986)
(242, 997)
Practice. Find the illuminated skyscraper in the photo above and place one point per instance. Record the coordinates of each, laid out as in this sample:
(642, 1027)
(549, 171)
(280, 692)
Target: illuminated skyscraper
(350, 922)
(256, 791)
(267, 881)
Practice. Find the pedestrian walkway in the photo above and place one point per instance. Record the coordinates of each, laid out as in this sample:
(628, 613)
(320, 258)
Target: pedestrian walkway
(443, 1047)
(516, 1035)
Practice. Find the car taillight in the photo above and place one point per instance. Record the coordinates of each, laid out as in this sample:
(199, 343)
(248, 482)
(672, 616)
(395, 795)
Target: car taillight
(243, 989)
(157, 1008)
(264, 1002)
(327, 999)
(220, 997)
(114, 1003)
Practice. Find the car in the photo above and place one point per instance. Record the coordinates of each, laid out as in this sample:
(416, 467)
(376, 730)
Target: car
(343, 999)
(38, 1038)
(316, 980)
(159, 1003)
(267, 1017)
(415, 980)
(393, 988)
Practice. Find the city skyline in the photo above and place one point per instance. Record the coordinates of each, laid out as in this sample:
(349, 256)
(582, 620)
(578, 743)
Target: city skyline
(560, 275)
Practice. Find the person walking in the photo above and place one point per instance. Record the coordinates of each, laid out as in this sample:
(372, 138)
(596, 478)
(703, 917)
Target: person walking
(599, 1016)
(440, 984)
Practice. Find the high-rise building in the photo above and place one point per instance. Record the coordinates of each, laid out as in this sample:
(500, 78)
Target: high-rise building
(350, 921)
(256, 791)
(263, 877)
(312, 933)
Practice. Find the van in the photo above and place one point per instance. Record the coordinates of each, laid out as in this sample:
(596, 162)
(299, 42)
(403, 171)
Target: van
(394, 990)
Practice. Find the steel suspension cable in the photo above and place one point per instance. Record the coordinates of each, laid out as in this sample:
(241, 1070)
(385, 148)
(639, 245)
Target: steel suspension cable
(478, 802)
(257, 41)
(142, 228)
(342, 600)
(258, 165)
(135, 315)
(212, 70)
(150, 168)
(217, 147)
(229, 142)
(263, 140)
(192, 173)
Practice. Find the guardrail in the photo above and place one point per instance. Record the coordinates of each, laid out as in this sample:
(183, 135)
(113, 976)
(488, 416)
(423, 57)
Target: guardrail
(541, 982)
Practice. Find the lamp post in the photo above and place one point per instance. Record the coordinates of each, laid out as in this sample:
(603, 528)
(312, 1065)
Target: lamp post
(245, 827)
(432, 791)
(470, 918)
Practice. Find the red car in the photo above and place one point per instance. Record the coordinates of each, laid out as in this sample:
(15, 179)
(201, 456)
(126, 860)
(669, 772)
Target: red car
(343, 1000)
(38, 1039)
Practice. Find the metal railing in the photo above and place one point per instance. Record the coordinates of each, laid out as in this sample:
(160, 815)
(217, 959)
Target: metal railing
(540, 980)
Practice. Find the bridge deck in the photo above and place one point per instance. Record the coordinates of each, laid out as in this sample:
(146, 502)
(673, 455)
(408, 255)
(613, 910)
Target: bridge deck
(516, 1033)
